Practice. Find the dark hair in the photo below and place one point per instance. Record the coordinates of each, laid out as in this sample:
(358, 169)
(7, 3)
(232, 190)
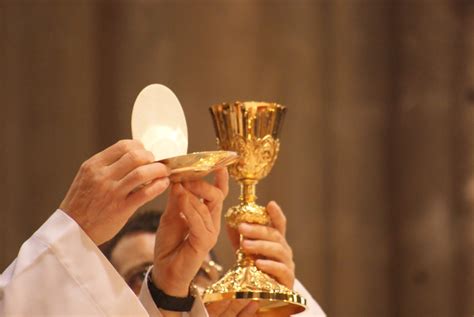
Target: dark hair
(146, 221)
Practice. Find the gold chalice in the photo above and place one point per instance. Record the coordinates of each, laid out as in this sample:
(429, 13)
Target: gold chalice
(251, 129)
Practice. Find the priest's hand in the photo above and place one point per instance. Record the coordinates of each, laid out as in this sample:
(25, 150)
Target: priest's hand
(234, 308)
(275, 256)
(188, 230)
(111, 185)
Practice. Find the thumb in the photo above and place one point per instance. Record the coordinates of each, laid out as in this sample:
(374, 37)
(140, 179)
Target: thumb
(176, 194)
(172, 224)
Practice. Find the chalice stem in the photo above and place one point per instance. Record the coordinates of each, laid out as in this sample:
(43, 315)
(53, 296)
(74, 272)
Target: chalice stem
(247, 191)
(247, 196)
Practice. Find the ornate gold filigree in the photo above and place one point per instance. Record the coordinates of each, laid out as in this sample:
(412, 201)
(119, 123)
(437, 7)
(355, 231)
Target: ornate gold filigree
(257, 155)
(251, 130)
(247, 279)
(247, 212)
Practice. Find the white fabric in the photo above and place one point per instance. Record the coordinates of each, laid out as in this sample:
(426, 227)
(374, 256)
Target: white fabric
(313, 307)
(198, 309)
(59, 271)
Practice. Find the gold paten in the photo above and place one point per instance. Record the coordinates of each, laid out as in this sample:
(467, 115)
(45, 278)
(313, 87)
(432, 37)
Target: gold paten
(251, 129)
(197, 165)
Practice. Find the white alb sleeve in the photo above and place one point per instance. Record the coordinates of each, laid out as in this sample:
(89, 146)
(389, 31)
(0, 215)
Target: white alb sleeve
(313, 308)
(59, 271)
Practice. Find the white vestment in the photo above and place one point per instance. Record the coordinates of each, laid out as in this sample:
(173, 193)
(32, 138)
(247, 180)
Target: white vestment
(59, 271)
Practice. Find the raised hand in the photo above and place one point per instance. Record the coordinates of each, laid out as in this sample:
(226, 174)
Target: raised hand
(188, 230)
(111, 185)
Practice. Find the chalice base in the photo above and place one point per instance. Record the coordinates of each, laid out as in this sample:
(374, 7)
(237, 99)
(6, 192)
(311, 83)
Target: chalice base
(247, 282)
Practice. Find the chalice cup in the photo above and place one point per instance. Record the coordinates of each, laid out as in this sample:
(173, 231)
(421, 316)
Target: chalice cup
(251, 129)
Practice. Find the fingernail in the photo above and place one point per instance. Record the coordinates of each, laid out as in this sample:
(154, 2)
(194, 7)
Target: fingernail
(244, 227)
(167, 169)
(246, 243)
(165, 181)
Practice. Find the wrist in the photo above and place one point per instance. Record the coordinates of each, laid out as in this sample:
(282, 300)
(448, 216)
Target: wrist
(171, 284)
(85, 226)
(167, 303)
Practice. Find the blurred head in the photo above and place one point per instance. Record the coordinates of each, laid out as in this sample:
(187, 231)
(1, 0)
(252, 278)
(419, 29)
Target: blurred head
(131, 252)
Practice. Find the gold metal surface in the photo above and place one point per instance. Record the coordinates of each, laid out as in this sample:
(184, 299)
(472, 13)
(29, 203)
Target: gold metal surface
(197, 165)
(251, 129)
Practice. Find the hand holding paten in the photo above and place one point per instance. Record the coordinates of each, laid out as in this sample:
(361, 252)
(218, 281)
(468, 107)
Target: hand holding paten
(110, 186)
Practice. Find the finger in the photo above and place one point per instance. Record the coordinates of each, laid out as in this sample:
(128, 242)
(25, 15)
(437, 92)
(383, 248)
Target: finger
(268, 249)
(147, 193)
(115, 152)
(204, 190)
(172, 218)
(142, 175)
(196, 225)
(203, 212)
(234, 237)
(222, 180)
(215, 309)
(173, 214)
(235, 307)
(250, 310)
(280, 271)
(277, 217)
(172, 207)
(260, 232)
(212, 196)
(129, 161)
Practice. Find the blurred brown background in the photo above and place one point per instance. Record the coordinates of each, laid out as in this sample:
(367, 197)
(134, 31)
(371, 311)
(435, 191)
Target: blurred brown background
(377, 160)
